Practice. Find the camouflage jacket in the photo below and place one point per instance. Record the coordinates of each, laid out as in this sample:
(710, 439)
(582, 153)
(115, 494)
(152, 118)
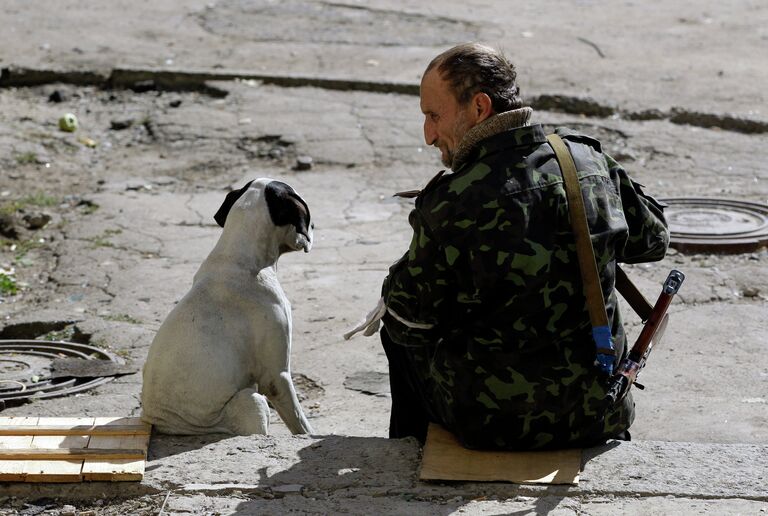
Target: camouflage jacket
(488, 299)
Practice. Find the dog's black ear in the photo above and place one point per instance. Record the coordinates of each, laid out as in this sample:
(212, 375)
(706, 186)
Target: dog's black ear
(229, 200)
(286, 207)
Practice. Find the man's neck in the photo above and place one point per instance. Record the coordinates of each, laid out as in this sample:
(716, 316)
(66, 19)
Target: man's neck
(489, 127)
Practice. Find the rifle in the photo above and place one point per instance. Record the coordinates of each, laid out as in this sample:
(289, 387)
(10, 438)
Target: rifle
(655, 318)
(652, 330)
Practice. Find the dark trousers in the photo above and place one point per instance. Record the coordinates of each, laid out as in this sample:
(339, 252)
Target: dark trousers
(410, 414)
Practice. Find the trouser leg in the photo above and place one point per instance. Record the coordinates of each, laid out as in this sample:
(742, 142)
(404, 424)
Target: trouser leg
(409, 416)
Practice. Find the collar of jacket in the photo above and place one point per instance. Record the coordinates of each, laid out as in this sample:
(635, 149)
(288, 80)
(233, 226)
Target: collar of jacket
(491, 126)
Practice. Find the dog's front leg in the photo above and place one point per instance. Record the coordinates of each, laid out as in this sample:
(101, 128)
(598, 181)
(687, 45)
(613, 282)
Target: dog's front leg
(282, 394)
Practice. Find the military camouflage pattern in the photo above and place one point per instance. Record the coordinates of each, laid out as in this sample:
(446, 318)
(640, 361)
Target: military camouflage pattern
(509, 362)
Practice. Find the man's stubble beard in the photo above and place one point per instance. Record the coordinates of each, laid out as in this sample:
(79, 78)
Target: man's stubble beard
(448, 158)
(460, 128)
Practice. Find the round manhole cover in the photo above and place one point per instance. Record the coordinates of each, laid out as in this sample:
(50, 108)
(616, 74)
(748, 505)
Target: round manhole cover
(26, 370)
(716, 225)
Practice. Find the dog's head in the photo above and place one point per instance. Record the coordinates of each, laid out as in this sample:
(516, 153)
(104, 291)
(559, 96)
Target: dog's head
(285, 209)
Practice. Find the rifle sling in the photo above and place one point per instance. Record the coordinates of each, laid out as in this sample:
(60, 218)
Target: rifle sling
(634, 297)
(586, 255)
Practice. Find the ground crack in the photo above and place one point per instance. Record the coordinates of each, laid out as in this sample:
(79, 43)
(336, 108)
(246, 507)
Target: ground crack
(178, 80)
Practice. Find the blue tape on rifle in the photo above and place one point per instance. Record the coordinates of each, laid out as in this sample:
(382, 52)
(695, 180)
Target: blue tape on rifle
(604, 340)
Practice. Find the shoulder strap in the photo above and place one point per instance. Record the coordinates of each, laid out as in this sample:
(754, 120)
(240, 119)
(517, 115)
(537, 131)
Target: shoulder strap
(601, 331)
(632, 294)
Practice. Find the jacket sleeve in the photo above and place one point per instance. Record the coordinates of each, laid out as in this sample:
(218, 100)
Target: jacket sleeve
(418, 289)
(648, 236)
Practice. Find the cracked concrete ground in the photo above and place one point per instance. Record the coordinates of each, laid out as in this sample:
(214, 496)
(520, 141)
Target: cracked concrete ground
(131, 220)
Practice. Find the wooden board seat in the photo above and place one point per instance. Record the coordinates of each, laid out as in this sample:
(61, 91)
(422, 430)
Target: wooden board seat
(54, 449)
(446, 459)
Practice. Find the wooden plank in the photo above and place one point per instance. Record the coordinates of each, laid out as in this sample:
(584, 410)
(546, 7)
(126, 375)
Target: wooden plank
(117, 470)
(13, 470)
(63, 450)
(68, 454)
(446, 459)
(57, 470)
(139, 429)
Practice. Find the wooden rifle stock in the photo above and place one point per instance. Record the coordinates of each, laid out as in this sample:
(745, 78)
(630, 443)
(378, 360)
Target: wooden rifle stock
(652, 331)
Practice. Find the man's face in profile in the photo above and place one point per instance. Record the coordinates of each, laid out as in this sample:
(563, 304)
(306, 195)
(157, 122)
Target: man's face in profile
(445, 120)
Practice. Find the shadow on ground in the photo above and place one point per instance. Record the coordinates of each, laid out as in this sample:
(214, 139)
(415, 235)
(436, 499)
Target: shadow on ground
(162, 445)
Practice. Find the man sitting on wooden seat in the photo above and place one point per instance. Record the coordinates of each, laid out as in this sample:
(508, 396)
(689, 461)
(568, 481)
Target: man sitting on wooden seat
(485, 323)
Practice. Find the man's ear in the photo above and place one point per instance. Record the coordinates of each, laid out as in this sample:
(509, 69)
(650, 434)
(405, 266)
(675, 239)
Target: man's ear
(229, 200)
(482, 105)
(286, 208)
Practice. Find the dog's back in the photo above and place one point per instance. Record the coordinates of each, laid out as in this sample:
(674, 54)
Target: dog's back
(207, 350)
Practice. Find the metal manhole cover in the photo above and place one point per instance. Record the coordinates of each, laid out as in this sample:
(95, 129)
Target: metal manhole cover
(716, 225)
(26, 372)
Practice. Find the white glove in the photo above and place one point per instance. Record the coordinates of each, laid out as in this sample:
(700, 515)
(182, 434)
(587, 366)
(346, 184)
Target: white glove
(371, 322)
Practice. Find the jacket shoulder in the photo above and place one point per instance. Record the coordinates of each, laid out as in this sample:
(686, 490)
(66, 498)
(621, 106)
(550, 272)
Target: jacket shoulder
(430, 188)
(433, 182)
(569, 134)
(410, 194)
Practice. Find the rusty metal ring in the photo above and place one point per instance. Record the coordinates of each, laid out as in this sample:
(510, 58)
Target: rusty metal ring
(714, 225)
(49, 388)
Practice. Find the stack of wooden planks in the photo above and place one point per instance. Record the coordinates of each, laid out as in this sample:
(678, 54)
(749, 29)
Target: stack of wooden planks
(55, 449)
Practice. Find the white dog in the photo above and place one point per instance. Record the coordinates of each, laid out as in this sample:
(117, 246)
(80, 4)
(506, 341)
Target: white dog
(226, 345)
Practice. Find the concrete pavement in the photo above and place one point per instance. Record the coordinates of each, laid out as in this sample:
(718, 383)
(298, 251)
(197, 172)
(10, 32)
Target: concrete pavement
(132, 221)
